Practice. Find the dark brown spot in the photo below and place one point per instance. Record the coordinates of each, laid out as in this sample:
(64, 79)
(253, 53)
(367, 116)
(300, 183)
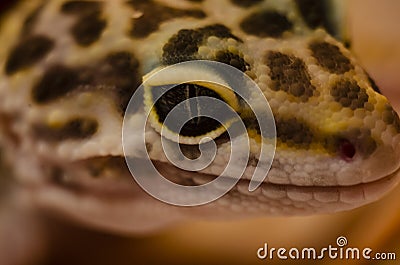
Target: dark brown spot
(78, 128)
(88, 29)
(246, 3)
(117, 74)
(367, 145)
(349, 94)
(28, 52)
(316, 14)
(121, 71)
(289, 74)
(332, 143)
(218, 30)
(390, 117)
(154, 14)
(184, 45)
(100, 167)
(293, 132)
(56, 82)
(266, 24)
(81, 7)
(330, 57)
(90, 24)
(233, 60)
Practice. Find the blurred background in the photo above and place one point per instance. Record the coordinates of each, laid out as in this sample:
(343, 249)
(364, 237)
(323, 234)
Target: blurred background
(54, 240)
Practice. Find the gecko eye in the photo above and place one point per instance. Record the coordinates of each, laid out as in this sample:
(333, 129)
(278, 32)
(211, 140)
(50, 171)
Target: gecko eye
(347, 150)
(198, 109)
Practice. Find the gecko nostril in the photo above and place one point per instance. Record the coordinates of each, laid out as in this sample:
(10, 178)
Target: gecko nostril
(347, 149)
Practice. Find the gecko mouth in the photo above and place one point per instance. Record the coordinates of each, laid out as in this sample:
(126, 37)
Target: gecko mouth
(109, 178)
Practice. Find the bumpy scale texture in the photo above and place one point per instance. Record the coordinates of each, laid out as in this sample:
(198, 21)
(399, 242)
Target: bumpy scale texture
(69, 68)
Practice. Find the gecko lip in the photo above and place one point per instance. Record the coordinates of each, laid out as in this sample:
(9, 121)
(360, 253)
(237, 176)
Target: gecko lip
(122, 186)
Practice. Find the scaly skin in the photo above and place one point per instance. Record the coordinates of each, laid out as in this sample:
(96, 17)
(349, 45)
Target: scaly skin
(68, 70)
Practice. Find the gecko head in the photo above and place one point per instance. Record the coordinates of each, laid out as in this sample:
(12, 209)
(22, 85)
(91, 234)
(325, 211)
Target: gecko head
(337, 136)
(334, 127)
(335, 132)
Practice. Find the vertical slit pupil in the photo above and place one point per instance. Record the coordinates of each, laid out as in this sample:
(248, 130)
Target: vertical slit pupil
(198, 125)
